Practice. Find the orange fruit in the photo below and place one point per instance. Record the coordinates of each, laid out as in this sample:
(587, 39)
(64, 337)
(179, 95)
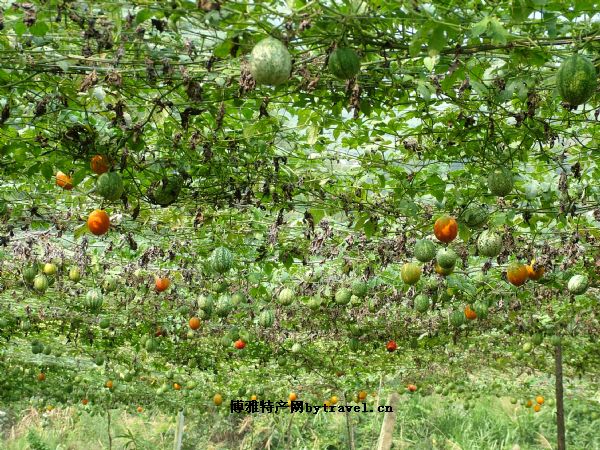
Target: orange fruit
(253, 397)
(539, 400)
(139, 409)
(292, 396)
(41, 376)
(218, 399)
(445, 229)
(85, 401)
(161, 284)
(98, 222)
(362, 395)
(333, 400)
(99, 164)
(516, 274)
(108, 384)
(176, 386)
(194, 323)
(64, 181)
(469, 313)
(534, 274)
(326, 403)
(537, 408)
(529, 404)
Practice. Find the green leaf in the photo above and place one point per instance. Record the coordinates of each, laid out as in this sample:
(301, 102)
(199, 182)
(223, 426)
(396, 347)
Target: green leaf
(497, 32)
(143, 15)
(480, 27)
(312, 134)
(46, 170)
(39, 28)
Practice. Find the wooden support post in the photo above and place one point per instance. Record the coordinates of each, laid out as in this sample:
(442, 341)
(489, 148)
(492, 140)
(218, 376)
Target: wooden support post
(560, 407)
(179, 431)
(389, 420)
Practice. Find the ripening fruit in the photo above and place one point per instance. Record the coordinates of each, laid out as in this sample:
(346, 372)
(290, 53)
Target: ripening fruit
(108, 384)
(194, 323)
(99, 164)
(139, 409)
(469, 313)
(516, 274)
(161, 284)
(537, 408)
(410, 273)
(411, 388)
(445, 229)
(333, 400)
(292, 397)
(391, 346)
(441, 271)
(64, 181)
(539, 400)
(529, 404)
(239, 344)
(362, 395)
(50, 269)
(98, 222)
(218, 399)
(254, 397)
(41, 376)
(74, 274)
(177, 386)
(535, 274)
(84, 401)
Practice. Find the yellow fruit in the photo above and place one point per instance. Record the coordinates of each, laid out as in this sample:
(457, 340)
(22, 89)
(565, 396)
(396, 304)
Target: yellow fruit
(333, 400)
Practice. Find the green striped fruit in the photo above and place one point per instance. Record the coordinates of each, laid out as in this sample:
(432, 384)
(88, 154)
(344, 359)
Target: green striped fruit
(40, 283)
(578, 284)
(165, 192)
(446, 258)
(344, 63)
(270, 62)
(266, 318)
(110, 186)
(223, 305)
(342, 296)
(286, 296)
(206, 304)
(457, 318)
(489, 244)
(500, 182)
(221, 260)
(576, 80)
(424, 250)
(475, 216)
(237, 299)
(359, 288)
(93, 300)
(29, 274)
(109, 284)
(421, 303)
(481, 309)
